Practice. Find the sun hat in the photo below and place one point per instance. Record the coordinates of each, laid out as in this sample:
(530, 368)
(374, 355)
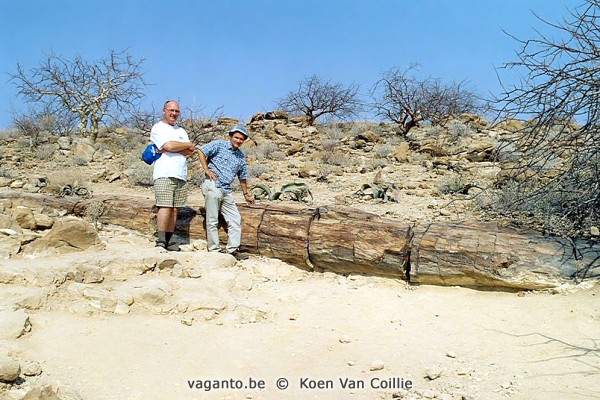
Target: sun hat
(150, 154)
(241, 129)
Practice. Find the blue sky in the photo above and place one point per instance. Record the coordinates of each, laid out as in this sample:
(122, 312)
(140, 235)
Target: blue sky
(243, 55)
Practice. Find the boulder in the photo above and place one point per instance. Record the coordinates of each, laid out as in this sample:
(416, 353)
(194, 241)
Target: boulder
(401, 152)
(227, 121)
(9, 369)
(4, 182)
(8, 222)
(65, 237)
(278, 114)
(369, 137)
(84, 150)
(9, 245)
(43, 221)
(24, 217)
(309, 170)
(257, 117)
(296, 148)
(64, 143)
(14, 324)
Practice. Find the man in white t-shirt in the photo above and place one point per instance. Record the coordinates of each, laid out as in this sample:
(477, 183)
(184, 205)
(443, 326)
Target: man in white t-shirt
(170, 172)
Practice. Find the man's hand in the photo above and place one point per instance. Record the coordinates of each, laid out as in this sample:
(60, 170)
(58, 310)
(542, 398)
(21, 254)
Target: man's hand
(248, 198)
(211, 175)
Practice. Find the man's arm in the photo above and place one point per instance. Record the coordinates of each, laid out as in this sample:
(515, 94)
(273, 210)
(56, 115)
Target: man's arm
(204, 163)
(247, 196)
(185, 148)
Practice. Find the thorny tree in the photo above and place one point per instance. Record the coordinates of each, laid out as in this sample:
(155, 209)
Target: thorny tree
(408, 101)
(559, 93)
(316, 97)
(93, 91)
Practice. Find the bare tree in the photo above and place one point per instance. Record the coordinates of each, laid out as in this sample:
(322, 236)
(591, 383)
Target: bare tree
(316, 97)
(559, 93)
(408, 101)
(93, 91)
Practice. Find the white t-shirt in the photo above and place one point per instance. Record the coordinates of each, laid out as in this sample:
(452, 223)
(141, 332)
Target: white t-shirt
(169, 165)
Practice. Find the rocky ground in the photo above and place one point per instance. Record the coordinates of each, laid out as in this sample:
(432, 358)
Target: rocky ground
(95, 311)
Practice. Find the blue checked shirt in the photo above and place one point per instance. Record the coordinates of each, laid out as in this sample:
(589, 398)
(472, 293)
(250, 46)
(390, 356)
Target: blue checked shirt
(225, 162)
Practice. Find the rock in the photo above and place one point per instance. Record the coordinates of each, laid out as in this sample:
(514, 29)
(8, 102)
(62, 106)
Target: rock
(84, 150)
(9, 246)
(451, 354)
(433, 373)
(377, 365)
(85, 273)
(18, 184)
(594, 231)
(257, 117)
(43, 221)
(152, 292)
(64, 143)
(481, 151)
(101, 155)
(4, 182)
(14, 324)
(296, 148)
(32, 368)
(301, 120)
(345, 339)
(8, 222)
(309, 170)
(9, 369)
(65, 237)
(24, 217)
(369, 137)
(227, 121)
(401, 152)
(278, 114)
(51, 392)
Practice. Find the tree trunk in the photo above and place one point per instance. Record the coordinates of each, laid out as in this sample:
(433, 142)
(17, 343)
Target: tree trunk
(345, 240)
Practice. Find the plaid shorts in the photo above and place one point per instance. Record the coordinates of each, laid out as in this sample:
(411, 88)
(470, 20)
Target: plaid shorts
(170, 192)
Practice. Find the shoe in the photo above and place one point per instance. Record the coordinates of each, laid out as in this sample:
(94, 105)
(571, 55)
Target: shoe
(173, 247)
(240, 255)
(161, 244)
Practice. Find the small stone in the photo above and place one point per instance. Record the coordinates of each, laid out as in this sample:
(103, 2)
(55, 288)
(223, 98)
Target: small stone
(351, 363)
(187, 321)
(17, 184)
(433, 373)
(32, 368)
(444, 396)
(345, 339)
(377, 365)
(464, 371)
(595, 231)
(293, 317)
(506, 385)
(451, 354)
(9, 369)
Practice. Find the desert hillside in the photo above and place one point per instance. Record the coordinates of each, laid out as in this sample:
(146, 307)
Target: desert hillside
(92, 310)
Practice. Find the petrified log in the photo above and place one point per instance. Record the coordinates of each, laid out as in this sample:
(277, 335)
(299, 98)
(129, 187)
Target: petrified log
(351, 241)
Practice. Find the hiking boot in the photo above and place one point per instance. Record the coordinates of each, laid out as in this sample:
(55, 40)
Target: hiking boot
(161, 244)
(173, 247)
(240, 255)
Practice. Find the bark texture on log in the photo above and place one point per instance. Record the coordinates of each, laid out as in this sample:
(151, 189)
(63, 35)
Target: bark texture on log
(350, 241)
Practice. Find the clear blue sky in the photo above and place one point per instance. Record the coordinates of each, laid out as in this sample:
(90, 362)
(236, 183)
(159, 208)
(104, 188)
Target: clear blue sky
(244, 54)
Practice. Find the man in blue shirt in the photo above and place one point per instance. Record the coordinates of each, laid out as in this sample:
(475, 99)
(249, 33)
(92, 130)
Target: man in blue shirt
(223, 161)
